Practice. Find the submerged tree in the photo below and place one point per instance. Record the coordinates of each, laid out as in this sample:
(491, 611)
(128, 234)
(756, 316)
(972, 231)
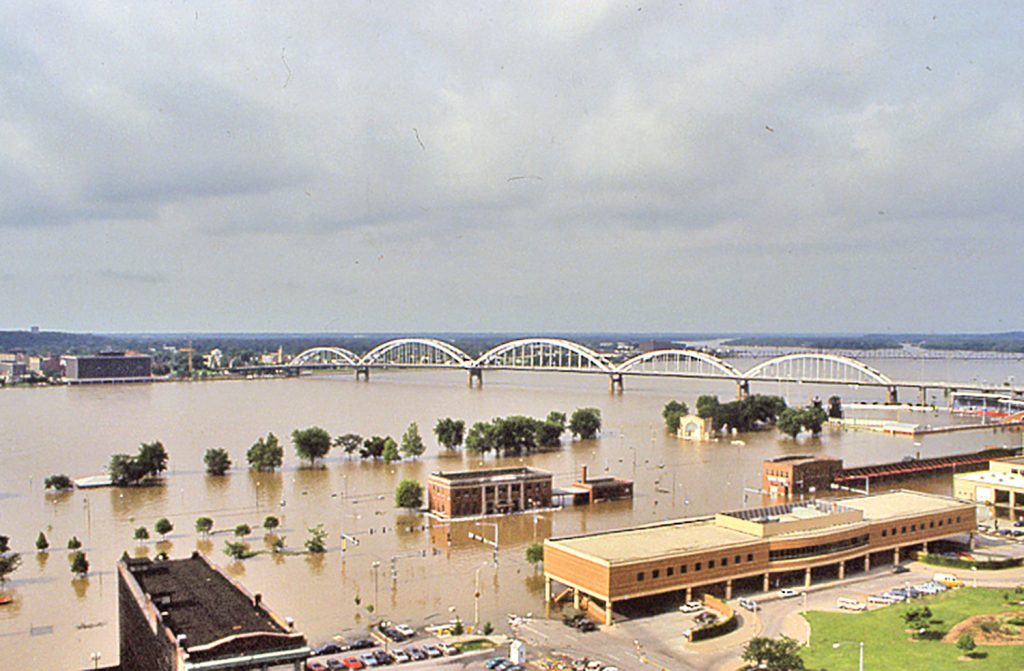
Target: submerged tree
(217, 461)
(311, 444)
(265, 454)
(450, 432)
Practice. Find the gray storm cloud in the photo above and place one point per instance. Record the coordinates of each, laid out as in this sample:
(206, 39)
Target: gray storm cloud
(429, 166)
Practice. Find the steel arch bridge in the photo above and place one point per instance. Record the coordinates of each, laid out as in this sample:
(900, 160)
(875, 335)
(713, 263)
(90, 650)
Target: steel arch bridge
(560, 355)
(813, 367)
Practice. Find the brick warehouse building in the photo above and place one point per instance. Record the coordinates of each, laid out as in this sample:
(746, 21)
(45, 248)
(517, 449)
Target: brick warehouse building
(798, 474)
(747, 548)
(488, 492)
(187, 615)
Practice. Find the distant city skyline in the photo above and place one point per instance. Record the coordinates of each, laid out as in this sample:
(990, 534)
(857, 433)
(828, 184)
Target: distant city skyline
(529, 167)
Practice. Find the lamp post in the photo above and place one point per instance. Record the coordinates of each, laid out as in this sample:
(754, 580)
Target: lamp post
(375, 565)
(476, 596)
(95, 659)
(860, 663)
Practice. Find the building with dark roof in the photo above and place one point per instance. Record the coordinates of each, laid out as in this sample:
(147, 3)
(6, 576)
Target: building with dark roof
(793, 475)
(188, 615)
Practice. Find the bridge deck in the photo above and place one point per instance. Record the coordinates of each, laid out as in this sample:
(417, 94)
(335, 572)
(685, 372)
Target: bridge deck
(957, 462)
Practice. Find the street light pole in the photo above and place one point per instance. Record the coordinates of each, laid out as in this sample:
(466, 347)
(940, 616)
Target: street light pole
(860, 644)
(375, 565)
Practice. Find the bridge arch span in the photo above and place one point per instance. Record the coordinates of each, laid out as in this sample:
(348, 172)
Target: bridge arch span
(679, 362)
(412, 352)
(324, 356)
(543, 354)
(817, 367)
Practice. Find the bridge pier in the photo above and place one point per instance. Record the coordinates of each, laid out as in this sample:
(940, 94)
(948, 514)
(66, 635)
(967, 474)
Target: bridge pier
(363, 371)
(891, 397)
(615, 383)
(742, 389)
(478, 375)
(922, 395)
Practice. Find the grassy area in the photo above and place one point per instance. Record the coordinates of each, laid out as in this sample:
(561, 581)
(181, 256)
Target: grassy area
(888, 646)
(476, 644)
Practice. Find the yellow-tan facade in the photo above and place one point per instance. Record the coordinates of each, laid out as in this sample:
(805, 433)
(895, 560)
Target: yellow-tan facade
(708, 554)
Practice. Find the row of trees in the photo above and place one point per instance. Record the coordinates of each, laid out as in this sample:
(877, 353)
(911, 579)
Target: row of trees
(754, 412)
(794, 420)
(519, 434)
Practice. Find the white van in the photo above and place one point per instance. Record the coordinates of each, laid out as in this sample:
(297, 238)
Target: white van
(879, 599)
(850, 604)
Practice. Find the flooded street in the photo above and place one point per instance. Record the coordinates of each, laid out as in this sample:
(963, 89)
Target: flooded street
(57, 622)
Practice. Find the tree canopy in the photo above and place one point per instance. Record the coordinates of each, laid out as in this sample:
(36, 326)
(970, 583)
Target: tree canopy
(217, 461)
(265, 455)
(773, 654)
(672, 413)
(585, 423)
(204, 525)
(412, 442)
(163, 526)
(348, 443)
(373, 447)
(79, 564)
(9, 563)
(125, 469)
(450, 432)
(409, 494)
(793, 420)
(311, 444)
(535, 553)
(390, 452)
(59, 482)
(747, 414)
(315, 543)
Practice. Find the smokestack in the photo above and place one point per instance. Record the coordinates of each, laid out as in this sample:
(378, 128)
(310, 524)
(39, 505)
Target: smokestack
(583, 473)
(257, 599)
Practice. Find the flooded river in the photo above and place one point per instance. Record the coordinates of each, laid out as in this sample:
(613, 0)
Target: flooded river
(58, 622)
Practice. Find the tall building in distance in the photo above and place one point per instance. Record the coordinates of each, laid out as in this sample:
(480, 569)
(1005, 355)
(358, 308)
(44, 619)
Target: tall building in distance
(108, 367)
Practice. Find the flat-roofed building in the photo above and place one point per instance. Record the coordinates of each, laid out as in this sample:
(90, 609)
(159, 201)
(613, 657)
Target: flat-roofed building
(710, 554)
(602, 488)
(795, 475)
(1001, 487)
(488, 492)
(108, 367)
(187, 615)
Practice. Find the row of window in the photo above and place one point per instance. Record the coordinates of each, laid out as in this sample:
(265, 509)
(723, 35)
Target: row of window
(697, 566)
(918, 527)
(822, 549)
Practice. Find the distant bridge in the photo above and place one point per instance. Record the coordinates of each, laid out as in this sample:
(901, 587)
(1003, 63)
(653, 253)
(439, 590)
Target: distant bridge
(559, 355)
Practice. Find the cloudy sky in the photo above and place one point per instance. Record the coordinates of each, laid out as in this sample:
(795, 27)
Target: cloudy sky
(681, 166)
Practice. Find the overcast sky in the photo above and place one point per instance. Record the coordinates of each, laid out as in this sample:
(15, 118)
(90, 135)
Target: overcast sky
(419, 166)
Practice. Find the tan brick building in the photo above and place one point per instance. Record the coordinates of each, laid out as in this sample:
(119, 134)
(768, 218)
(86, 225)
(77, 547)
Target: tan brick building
(747, 548)
(488, 492)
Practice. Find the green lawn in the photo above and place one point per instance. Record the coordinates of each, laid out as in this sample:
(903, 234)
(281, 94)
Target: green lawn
(887, 645)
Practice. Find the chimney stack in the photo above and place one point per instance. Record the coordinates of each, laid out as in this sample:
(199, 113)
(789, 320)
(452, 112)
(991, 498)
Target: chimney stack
(583, 473)
(257, 599)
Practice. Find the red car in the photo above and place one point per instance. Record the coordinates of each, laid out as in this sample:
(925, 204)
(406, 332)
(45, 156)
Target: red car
(352, 663)
(315, 666)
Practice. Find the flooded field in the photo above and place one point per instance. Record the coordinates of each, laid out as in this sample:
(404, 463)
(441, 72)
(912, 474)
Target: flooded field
(58, 622)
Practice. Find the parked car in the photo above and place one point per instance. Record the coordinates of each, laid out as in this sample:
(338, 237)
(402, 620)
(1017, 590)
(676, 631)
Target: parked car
(315, 666)
(361, 644)
(327, 649)
(493, 662)
(352, 663)
(850, 604)
(586, 626)
(749, 604)
(335, 664)
(417, 654)
(787, 593)
(401, 656)
(449, 649)
(691, 607)
(899, 568)
(368, 659)
(405, 630)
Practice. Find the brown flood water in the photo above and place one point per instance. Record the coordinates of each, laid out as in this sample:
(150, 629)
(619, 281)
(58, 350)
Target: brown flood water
(57, 622)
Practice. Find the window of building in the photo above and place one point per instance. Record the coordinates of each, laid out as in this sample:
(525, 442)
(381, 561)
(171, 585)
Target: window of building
(913, 527)
(696, 566)
(931, 525)
(682, 568)
(670, 571)
(750, 557)
(893, 532)
(958, 519)
(711, 564)
(725, 561)
(640, 576)
(940, 523)
(655, 574)
(903, 530)
(884, 533)
(737, 559)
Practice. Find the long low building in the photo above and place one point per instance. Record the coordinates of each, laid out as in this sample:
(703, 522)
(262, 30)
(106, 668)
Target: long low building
(711, 554)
